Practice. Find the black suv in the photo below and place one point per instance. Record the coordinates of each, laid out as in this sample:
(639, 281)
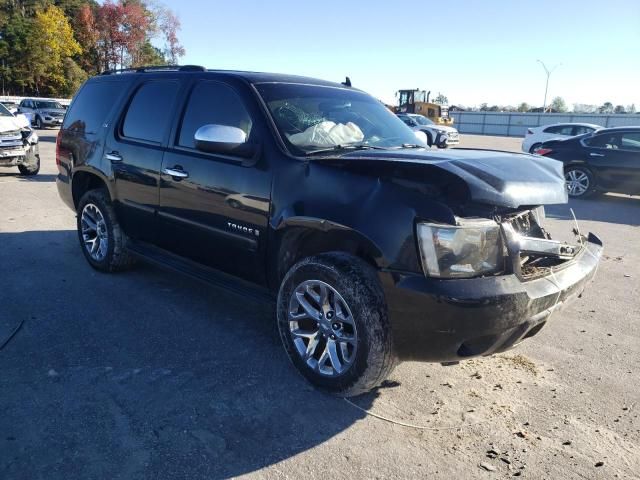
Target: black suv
(313, 195)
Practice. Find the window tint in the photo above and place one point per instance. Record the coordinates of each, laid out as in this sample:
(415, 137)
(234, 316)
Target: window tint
(560, 130)
(212, 103)
(631, 141)
(92, 105)
(150, 111)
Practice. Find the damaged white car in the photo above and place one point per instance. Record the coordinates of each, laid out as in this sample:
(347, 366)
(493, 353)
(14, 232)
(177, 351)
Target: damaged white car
(18, 143)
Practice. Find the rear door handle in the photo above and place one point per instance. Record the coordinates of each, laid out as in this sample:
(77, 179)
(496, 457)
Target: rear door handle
(596, 155)
(113, 157)
(175, 172)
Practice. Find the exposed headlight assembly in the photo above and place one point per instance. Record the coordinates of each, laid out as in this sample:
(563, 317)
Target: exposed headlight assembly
(463, 251)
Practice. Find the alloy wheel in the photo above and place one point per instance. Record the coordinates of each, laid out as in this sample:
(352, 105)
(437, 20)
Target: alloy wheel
(94, 232)
(577, 182)
(322, 328)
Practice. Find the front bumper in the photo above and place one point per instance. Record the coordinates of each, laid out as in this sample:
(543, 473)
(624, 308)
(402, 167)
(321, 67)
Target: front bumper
(450, 320)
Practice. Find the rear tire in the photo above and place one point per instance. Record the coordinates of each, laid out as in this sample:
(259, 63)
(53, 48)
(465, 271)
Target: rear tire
(534, 147)
(333, 322)
(580, 182)
(101, 238)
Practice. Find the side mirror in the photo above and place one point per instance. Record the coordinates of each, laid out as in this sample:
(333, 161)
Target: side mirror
(224, 140)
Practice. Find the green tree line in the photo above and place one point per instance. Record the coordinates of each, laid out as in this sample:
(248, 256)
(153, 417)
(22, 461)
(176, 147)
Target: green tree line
(49, 47)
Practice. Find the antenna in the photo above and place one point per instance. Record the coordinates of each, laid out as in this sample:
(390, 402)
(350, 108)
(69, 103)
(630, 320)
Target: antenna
(347, 82)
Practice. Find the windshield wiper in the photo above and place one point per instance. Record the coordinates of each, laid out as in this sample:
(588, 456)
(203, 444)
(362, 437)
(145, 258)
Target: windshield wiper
(411, 145)
(347, 147)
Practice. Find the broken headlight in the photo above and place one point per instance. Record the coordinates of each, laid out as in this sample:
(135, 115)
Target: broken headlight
(462, 251)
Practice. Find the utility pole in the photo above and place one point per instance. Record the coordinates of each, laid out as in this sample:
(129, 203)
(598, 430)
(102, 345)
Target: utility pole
(546, 87)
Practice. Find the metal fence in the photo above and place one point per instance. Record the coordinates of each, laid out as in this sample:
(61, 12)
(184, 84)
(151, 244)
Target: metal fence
(516, 124)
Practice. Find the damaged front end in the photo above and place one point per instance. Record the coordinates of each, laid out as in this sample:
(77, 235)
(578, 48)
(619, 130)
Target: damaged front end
(531, 250)
(19, 147)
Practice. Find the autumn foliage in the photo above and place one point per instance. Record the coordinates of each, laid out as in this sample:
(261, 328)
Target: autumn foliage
(48, 47)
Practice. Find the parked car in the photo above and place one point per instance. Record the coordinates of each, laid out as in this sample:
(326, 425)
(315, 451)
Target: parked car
(536, 136)
(11, 106)
(607, 160)
(441, 136)
(46, 113)
(314, 196)
(18, 143)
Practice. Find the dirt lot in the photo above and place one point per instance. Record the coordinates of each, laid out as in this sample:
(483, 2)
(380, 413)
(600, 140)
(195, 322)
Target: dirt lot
(151, 375)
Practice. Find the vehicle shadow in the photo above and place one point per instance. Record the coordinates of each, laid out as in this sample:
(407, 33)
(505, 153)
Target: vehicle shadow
(41, 177)
(624, 210)
(143, 374)
(48, 136)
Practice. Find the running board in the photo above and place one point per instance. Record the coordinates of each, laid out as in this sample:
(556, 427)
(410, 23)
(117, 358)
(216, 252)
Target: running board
(169, 261)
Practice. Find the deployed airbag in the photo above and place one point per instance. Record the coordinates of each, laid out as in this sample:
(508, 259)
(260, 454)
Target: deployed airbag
(328, 134)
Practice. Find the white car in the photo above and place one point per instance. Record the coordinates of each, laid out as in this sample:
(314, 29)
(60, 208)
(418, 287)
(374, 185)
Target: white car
(420, 123)
(537, 136)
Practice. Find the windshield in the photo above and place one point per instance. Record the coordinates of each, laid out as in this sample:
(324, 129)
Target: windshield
(53, 105)
(4, 112)
(420, 120)
(310, 118)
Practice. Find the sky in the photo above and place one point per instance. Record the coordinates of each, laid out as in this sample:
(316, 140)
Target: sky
(471, 51)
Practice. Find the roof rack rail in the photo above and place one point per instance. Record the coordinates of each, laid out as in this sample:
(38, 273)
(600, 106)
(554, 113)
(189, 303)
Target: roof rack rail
(156, 68)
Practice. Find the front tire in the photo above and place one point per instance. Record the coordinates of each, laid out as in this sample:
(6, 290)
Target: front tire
(579, 181)
(333, 322)
(101, 237)
(30, 170)
(38, 123)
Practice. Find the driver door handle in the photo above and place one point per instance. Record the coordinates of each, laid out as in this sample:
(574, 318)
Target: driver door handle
(113, 157)
(596, 155)
(175, 172)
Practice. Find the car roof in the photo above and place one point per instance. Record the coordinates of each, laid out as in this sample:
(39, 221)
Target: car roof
(575, 124)
(630, 128)
(250, 77)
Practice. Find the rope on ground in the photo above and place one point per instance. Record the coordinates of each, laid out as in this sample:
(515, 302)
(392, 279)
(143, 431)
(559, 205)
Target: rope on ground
(410, 425)
(11, 335)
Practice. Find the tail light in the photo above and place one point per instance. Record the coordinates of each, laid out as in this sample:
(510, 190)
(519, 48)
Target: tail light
(58, 148)
(529, 131)
(543, 151)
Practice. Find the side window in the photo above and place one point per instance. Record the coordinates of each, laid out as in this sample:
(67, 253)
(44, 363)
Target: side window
(631, 141)
(212, 102)
(91, 106)
(560, 130)
(605, 140)
(580, 130)
(150, 111)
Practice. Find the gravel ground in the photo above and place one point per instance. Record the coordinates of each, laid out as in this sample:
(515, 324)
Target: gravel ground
(152, 375)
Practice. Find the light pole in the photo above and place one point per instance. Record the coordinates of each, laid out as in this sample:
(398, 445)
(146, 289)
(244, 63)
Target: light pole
(546, 87)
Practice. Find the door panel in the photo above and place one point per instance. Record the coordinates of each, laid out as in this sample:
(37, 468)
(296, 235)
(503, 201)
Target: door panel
(216, 212)
(135, 151)
(616, 165)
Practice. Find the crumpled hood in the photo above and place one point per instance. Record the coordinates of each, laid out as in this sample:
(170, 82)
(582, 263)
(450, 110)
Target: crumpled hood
(10, 124)
(496, 178)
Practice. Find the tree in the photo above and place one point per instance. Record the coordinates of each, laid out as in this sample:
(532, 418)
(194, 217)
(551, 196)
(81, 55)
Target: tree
(619, 109)
(484, 107)
(584, 108)
(169, 25)
(49, 44)
(607, 107)
(631, 108)
(441, 99)
(523, 107)
(558, 104)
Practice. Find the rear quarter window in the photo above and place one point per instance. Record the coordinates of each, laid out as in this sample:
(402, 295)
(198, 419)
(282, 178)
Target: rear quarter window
(90, 108)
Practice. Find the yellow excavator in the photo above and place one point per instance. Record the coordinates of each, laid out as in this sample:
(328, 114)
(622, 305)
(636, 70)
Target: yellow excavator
(417, 101)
